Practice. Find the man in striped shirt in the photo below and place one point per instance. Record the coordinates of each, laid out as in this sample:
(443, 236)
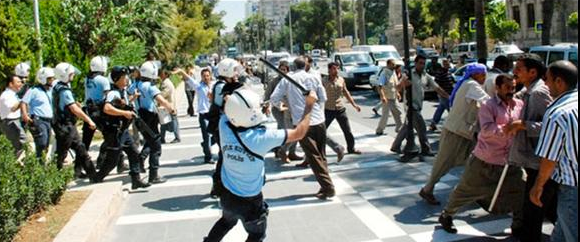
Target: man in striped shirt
(558, 148)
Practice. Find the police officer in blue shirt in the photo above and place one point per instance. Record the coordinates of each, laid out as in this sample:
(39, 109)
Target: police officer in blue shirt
(118, 116)
(96, 86)
(148, 95)
(244, 144)
(66, 111)
(37, 109)
(22, 70)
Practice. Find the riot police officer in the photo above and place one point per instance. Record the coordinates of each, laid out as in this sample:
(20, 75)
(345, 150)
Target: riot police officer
(22, 70)
(148, 95)
(118, 115)
(96, 86)
(37, 109)
(66, 111)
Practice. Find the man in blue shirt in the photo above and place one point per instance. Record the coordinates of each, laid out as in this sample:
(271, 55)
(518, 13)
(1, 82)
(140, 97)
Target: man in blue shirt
(66, 113)
(245, 142)
(148, 95)
(118, 115)
(96, 86)
(37, 109)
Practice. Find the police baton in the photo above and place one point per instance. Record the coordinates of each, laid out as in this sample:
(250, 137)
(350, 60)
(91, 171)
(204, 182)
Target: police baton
(144, 128)
(304, 91)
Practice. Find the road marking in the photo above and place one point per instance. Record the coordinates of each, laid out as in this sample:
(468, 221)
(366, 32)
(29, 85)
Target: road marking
(465, 231)
(377, 222)
(398, 191)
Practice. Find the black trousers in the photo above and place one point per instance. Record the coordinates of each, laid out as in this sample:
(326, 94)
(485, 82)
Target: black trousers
(117, 141)
(190, 94)
(152, 146)
(67, 137)
(342, 119)
(252, 211)
(533, 216)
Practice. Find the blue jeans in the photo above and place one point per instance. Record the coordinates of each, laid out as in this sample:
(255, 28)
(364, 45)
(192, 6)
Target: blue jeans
(566, 229)
(174, 128)
(442, 107)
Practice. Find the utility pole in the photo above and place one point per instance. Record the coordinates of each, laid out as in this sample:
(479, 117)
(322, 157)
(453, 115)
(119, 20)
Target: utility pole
(338, 17)
(290, 26)
(355, 35)
(361, 22)
(38, 36)
(411, 150)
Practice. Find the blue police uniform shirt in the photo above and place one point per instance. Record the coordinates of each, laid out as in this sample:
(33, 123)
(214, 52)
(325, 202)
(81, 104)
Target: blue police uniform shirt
(39, 102)
(95, 88)
(218, 97)
(243, 173)
(114, 95)
(148, 93)
(65, 98)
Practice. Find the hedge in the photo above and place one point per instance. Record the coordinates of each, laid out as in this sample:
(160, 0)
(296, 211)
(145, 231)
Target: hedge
(26, 188)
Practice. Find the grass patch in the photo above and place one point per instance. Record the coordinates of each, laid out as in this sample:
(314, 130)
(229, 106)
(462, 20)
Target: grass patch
(45, 225)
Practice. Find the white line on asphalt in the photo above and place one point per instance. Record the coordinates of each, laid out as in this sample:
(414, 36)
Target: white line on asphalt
(382, 226)
(398, 191)
(465, 231)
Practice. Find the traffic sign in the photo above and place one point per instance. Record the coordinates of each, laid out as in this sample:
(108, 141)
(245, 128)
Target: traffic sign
(472, 24)
(538, 27)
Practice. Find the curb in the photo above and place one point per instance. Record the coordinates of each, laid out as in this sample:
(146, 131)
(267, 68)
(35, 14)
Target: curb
(95, 215)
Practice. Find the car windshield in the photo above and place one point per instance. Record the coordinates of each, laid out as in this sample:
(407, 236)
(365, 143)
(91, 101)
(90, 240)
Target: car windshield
(385, 55)
(352, 59)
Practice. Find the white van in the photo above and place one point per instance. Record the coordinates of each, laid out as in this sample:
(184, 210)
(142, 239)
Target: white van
(356, 67)
(379, 53)
(469, 49)
(552, 53)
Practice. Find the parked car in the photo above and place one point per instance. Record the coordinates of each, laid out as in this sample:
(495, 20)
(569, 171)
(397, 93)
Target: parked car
(428, 52)
(552, 53)
(379, 53)
(510, 51)
(469, 49)
(356, 67)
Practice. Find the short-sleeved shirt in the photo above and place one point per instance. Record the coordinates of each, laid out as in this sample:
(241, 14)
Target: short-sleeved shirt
(243, 173)
(65, 98)
(147, 92)
(559, 138)
(8, 100)
(335, 91)
(39, 102)
(388, 81)
(420, 83)
(203, 91)
(95, 88)
(116, 94)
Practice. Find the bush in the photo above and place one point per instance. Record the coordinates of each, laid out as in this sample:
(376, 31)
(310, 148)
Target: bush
(26, 188)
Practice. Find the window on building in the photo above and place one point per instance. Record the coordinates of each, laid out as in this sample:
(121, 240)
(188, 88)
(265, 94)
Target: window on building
(531, 15)
(516, 12)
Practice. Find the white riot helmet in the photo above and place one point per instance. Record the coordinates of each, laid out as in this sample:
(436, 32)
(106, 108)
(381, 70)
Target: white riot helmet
(228, 68)
(43, 74)
(99, 64)
(243, 108)
(22, 69)
(63, 70)
(149, 70)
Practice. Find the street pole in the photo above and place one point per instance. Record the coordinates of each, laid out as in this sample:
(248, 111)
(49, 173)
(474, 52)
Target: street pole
(37, 25)
(411, 150)
(355, 36)
(290, 25)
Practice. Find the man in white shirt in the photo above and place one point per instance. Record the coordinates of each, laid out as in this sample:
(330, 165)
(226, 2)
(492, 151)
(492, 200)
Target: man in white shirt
(10, 114)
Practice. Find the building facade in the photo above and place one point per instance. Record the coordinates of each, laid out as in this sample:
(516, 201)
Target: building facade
(528, 13)
(274, 11)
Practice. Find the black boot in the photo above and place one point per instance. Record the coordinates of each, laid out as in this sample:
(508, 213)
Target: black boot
(137, 183)
(154, 177)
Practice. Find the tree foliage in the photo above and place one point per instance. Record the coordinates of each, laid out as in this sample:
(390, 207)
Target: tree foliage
(498, 26)
(573, 20)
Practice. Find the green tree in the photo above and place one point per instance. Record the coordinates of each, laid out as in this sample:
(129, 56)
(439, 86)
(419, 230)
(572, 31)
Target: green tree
(377, 19)
(421, 19)
(498, 26)
(14, 35)
(573, 20)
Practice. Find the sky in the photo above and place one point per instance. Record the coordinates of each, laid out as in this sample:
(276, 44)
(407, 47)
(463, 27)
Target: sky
(235, 12)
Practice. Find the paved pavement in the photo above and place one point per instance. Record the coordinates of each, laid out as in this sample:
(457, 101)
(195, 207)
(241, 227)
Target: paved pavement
(376, 198)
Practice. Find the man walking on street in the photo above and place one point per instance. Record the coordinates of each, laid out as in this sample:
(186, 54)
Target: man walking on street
(458, 134)
(501, 65)
(529, 71)
(389, 93)
(558, 149)
(444, 79)
(420, 81)
(485, 165)
(335, 87)
(315, 141)
(168, 92)
(189, 91)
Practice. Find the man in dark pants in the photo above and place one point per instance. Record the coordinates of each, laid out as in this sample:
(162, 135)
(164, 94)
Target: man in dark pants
(335, 87)
(189, 91)
(147, 111)
(96, 86)
(67, 110)
(245, 143)
(315, 141)
(38, 100)
(528, 71)
(118, 114)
